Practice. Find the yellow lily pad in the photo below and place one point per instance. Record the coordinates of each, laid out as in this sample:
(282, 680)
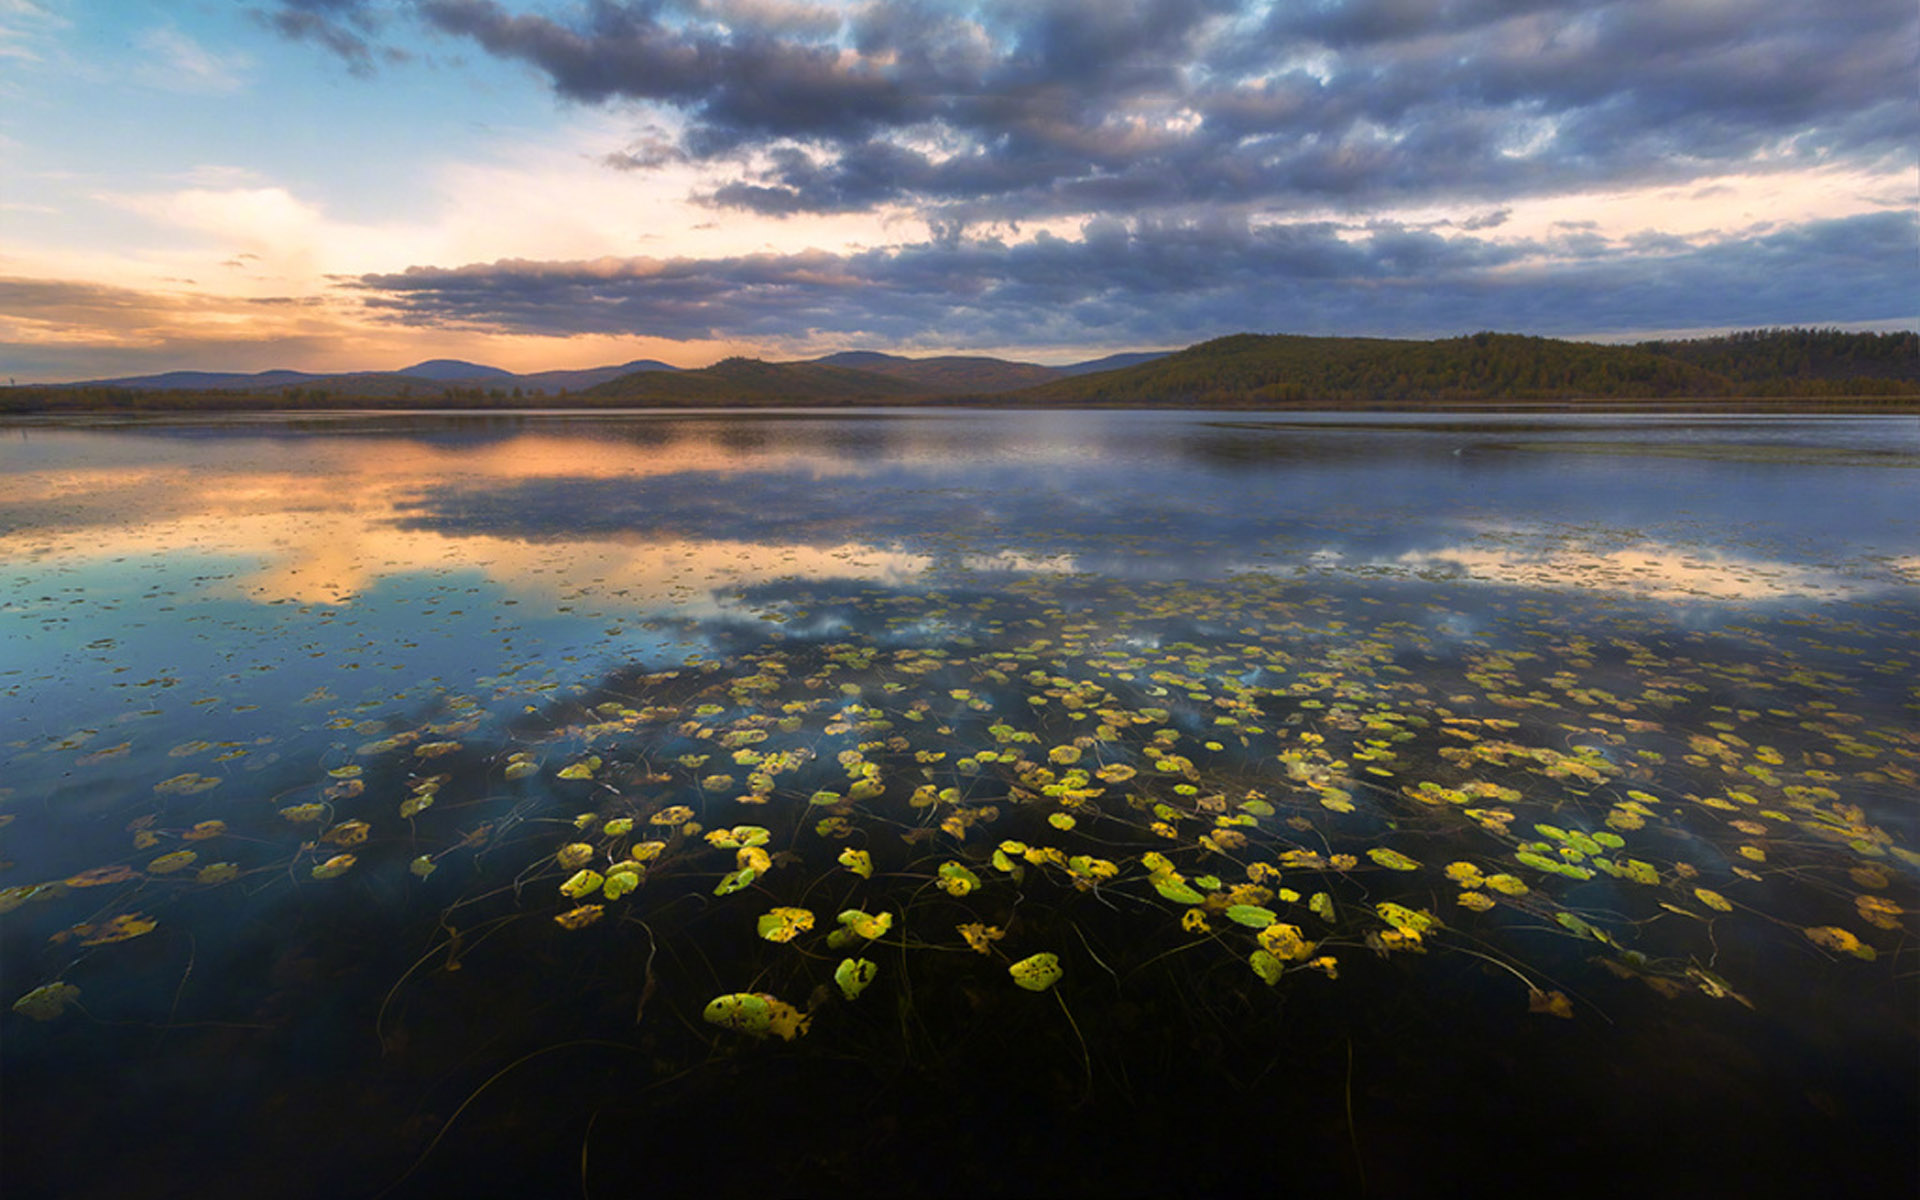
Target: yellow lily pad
(122, 928)
(784, 924)
(1393, 860)
(47, 1002)
(334, 867)
(980, 937)
(167, 864)
(581, 917)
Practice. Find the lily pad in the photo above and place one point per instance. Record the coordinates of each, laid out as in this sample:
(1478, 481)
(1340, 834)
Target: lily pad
(1037, 972)
(47, 1002)
(784, 924)
(854, 974)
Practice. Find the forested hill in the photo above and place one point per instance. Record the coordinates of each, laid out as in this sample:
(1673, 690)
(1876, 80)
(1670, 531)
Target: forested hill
(1250, 370)
(1790, 358)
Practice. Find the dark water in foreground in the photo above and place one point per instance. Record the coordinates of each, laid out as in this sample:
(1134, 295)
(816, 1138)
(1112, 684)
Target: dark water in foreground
(1406, 806)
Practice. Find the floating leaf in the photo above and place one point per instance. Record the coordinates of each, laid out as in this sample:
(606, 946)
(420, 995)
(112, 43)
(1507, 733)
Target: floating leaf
(574, 855)
(980, 937)
(220, 872)
(1408, 921)
(1321, 905)
(1175, 889)
(413, 806)
(1875, 910)
(865, 925)
(619, 882)
(581, 917)
(785, 924)
(188, 784)
(1553, 1004)
(167, 864)
(347, 833)
(1037, 972)
(1475, 901)
(858, 861)
(956, 880)
(739, 837)
(422, 866)
(1465, 874)
(1713, 899)
(1393, 860)
(301, 814)
(1267, 966)
(204, 830)
(736, 881)
(582, 883)
(335, 867)
(854, 974)
(1832, 937)
(618, 827)
(102, 876)
(1251, 915)
(1640, 872)
(124, 927)
(1284, 942)
(583, 769)
(1194, 920)
(47, 1002)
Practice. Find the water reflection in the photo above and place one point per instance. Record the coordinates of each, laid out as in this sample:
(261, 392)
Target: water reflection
(662, 510)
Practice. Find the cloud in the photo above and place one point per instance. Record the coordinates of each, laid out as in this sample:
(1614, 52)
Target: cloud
(346, 28)
(177, 63)
(1002, 111)
(1172, 282)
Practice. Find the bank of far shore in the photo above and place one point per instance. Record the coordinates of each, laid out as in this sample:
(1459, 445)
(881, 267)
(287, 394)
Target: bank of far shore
(1782, 370)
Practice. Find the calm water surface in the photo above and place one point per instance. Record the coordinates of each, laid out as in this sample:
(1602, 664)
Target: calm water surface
(1406, 803)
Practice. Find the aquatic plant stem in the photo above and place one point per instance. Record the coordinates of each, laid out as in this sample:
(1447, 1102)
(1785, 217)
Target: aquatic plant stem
(1353, 1131)
(491, 1080)
(1086, 1059)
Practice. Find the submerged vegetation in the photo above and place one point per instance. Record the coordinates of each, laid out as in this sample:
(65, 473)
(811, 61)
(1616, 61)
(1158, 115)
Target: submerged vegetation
(1176, 781)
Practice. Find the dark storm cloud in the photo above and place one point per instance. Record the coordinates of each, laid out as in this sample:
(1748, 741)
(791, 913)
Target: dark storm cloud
(1063, 106)
(345, 27)
(1165, 282)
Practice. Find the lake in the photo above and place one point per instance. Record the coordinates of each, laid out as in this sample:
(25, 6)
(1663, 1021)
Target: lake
(959, 802)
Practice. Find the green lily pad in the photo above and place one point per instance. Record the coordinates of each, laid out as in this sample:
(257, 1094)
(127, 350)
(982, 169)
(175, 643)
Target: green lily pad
(1037, 972)
(1252, 915)
(854, 974)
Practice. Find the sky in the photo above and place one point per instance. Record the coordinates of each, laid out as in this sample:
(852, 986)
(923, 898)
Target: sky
(538, 184)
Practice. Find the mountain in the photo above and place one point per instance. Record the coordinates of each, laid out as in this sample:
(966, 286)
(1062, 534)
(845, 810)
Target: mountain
(966, 373)
(452, 370)
(750, 381)
(217, 381)
(551, 382)
(1112, 362)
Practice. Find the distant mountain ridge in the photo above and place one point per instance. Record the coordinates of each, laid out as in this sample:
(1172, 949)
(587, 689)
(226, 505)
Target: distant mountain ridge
(1239, 371)
(977, 374)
